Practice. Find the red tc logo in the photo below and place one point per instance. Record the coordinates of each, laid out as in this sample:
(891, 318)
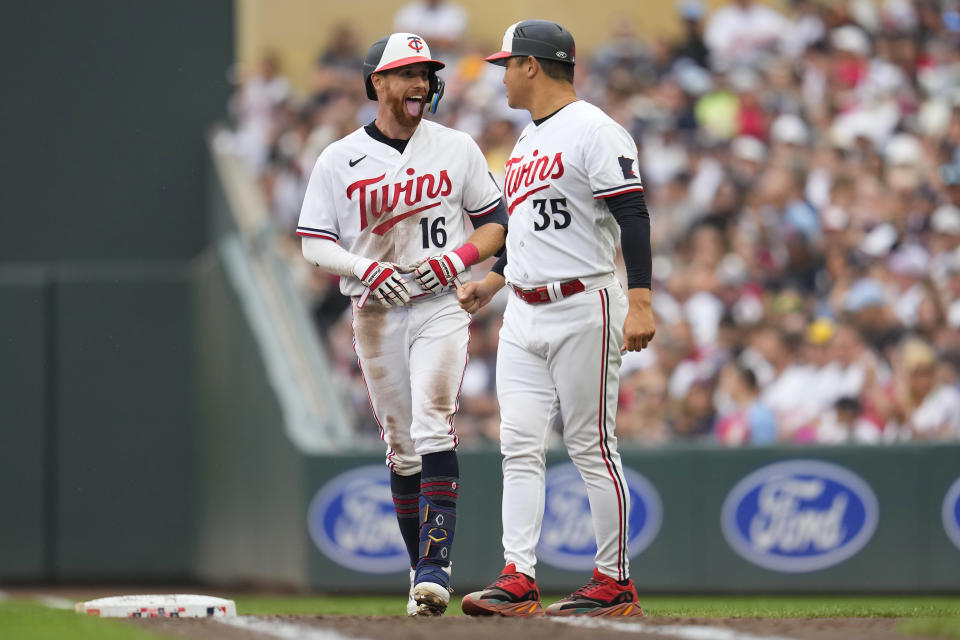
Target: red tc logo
(415, 43)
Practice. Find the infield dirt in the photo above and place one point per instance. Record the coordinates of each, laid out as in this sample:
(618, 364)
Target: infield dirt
(400, 628)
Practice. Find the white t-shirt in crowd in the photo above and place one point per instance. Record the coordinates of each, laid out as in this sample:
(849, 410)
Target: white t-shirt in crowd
(445, 20)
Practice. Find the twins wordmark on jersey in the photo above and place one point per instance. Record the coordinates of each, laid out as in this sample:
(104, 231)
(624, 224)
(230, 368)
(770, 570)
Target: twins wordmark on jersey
(523, 179)
(397, 207)
(377, 200)
(556, 180)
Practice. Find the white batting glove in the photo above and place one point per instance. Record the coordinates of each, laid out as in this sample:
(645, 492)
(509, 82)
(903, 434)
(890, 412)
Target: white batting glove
(383, 281)
(439, 271)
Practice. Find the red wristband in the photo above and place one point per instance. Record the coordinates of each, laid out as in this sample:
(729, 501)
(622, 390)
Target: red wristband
(468, 253)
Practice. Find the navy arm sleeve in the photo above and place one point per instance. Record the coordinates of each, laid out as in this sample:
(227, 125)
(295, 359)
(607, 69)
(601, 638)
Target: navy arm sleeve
(630, 211)
(497, 216)
(501, 262)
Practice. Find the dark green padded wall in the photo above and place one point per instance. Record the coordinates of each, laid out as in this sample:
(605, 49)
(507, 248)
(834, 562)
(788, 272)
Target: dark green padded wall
(105, 109)
(105, 105)
(127, 431)
(251, 476)
(23, 438)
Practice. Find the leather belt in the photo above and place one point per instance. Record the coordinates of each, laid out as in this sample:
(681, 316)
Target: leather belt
(549, 292)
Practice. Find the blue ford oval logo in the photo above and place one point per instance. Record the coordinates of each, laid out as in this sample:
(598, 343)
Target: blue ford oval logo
(567, 539)
(799, 516)
(951, 512)
(352, 521)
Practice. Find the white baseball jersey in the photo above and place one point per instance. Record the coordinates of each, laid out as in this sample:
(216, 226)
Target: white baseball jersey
(397, 207)
(556, 179)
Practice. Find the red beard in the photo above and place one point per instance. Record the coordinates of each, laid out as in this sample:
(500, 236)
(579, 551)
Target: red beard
(398, 108)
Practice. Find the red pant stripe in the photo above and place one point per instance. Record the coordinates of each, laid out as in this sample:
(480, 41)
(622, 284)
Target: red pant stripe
(604, 444)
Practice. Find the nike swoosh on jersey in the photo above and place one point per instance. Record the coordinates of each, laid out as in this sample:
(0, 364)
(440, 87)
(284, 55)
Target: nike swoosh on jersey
(353, 163)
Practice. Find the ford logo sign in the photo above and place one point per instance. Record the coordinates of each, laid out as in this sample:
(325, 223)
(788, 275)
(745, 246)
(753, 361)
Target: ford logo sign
(799, 516)
(567, 539)
(352, 521)
(951, 512)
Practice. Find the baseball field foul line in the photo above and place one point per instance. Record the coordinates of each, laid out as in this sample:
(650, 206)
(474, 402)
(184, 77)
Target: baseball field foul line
(54, 602)
(283, 630)
(687, 632)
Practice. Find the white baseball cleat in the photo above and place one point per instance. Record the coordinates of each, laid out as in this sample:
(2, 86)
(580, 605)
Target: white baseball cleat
(431, 593)
(411, 601)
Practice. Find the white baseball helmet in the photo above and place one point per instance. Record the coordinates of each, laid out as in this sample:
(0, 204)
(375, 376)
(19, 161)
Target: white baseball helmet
(398, 50)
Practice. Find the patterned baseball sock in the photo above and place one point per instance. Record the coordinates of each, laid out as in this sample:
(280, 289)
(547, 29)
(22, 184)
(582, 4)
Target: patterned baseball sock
(439, 487)
(406, 502)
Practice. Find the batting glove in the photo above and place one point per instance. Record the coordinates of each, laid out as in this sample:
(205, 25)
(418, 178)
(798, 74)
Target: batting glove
(383, 281)
(439, 271)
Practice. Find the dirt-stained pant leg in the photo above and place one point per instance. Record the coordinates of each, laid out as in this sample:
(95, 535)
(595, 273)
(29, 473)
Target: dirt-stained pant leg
(528, 405)
(588, 402)
(439, 332)
(383, 350)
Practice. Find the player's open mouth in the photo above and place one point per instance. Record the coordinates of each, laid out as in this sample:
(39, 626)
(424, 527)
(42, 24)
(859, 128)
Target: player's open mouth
(414, 105)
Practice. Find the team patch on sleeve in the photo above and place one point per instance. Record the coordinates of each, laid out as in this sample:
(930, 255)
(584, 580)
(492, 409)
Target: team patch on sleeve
(626, 165)
(310, 232)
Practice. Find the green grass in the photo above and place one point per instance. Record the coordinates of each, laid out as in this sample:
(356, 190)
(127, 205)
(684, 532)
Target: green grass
(802, 606)
(26, 620)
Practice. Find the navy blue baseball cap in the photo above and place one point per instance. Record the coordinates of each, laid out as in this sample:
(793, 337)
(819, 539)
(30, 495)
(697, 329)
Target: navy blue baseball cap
(538, 38)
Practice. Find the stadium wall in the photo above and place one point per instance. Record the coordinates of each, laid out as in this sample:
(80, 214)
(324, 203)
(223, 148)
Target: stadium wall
(250, 476)
(106, 110)
(97, 446)
(103, 214)
(816, 519)
(23, 433)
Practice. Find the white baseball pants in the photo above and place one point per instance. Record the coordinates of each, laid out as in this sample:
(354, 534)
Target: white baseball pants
(562, 357)
(412, 359)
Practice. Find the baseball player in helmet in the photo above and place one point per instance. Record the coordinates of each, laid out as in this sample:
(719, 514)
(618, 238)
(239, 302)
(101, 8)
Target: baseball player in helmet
(573, 193)
(384, 209)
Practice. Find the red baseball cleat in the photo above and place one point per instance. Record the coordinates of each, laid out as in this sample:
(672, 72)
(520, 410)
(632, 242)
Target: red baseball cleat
(512, 594)
(602, 596)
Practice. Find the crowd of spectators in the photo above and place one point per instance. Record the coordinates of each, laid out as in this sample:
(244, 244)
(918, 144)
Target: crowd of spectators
(802, 170)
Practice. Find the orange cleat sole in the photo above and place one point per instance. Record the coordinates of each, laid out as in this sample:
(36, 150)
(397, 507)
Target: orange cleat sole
(472, 605)
(626, 610)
